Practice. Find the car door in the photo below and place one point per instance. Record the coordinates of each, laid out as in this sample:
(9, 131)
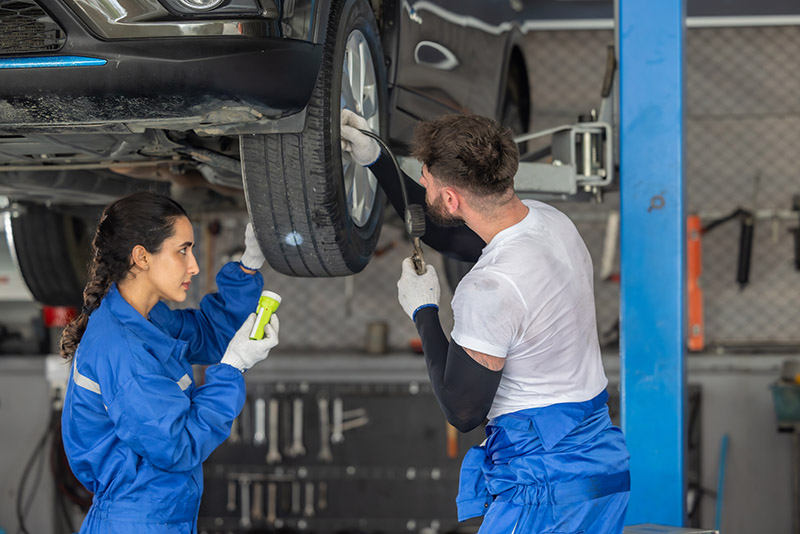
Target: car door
(450, 56)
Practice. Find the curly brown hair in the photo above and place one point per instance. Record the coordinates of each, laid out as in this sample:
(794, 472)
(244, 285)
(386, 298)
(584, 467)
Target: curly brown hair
(468, 151)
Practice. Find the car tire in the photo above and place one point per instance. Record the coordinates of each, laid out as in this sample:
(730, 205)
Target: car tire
(314, 211)
(52, 250)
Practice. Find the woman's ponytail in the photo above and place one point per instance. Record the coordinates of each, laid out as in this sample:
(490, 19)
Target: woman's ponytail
(96, 289)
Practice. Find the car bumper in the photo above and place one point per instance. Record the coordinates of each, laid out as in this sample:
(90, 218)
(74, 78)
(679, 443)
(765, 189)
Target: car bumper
(215, 85)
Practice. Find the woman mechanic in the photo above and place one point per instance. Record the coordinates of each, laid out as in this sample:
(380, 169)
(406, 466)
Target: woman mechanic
(136, 428)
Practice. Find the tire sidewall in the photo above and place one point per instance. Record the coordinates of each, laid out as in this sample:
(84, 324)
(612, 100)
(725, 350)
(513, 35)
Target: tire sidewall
(52, 250)
(356, 14)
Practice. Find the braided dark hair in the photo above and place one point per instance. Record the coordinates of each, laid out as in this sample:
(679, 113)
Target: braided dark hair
(143, 218)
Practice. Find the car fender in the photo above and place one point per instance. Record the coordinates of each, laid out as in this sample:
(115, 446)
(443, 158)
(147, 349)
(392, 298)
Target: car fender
(515, 43)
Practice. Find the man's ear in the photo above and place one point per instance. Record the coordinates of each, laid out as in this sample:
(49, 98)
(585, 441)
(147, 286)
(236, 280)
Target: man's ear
(452, 199)
(140, 257)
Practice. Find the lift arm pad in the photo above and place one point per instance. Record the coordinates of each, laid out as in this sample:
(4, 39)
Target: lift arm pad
(464, 388)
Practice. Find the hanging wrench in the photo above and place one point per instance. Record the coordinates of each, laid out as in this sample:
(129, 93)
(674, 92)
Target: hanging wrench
(246, 423)
(258, 501)
(295, 498)
(231, 506)
(244, 486)
(354, 423)
(308, 511)
(324, 431)
(260, 434)
(297, 448)
(286, 426)
(272, 508)
(338, 416)
(234, 437)
(352, 414)
(273, 456)
(323, 496)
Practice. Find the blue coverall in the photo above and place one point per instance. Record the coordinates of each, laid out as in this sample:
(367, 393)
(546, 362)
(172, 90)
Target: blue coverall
(136, 429)
(561, 469)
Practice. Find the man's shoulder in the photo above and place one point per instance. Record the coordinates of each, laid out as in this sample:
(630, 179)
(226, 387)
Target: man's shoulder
(487, 281)
(548, 214)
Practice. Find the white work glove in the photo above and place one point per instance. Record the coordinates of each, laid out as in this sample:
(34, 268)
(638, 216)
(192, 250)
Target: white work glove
(243, 352)
(415, 291)
(363, 149)
(252, 258)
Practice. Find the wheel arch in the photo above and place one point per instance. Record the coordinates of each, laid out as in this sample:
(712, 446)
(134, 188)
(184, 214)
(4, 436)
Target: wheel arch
(515, 68)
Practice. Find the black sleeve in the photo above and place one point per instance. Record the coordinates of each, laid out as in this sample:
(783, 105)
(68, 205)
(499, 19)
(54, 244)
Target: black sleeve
(458, 242)
(464, 388)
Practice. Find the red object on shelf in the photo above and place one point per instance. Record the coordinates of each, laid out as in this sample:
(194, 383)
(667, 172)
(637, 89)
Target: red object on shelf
(694, 267)
(59, 316)
(415, 345)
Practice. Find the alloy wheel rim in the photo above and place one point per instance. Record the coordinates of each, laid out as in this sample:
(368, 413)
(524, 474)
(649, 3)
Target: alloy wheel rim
(359, 94)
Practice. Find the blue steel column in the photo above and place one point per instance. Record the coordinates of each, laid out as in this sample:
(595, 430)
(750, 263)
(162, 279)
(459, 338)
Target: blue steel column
(653, 245)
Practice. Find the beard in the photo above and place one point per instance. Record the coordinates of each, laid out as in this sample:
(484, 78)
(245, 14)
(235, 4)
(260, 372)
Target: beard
(438, 214)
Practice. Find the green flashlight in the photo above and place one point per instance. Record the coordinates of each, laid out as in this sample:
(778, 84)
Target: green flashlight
(267, 305)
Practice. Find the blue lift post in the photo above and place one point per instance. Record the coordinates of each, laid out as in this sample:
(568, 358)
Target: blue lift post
(653, 248)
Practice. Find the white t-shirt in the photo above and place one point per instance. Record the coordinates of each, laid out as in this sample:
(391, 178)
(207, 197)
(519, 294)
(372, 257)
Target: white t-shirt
(530, 299)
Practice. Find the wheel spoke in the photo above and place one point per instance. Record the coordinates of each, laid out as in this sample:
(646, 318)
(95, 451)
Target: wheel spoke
(370, 106)
(348, 172)
(347, 99)
(356, 73)
(362, 195)
(356, 194)
(363, 56)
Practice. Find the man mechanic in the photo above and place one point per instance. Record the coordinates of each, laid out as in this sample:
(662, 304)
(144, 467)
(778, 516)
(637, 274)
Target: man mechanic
(523, 351)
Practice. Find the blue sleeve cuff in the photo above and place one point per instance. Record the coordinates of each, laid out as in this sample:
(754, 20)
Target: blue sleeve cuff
(248, 268)
(380, 153)
(414, 315)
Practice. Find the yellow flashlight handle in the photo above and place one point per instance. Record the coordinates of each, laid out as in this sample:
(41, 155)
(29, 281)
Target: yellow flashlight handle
(267, 305)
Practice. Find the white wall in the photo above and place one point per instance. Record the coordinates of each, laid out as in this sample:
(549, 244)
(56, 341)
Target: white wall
(24, 413)
(758, 480)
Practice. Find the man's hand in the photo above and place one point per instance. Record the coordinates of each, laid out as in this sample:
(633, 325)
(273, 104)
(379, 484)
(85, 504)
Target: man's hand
(243, 352)
(252, 259)
(415, 291)
(363, 149)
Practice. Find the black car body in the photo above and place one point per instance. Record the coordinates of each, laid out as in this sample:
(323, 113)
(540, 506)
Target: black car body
(98, 99)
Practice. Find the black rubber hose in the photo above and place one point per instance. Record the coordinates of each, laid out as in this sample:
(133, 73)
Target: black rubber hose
(745, 249)
(37, 450)
(414, 216)
(797, 248)
(385, 148)
(796, 207)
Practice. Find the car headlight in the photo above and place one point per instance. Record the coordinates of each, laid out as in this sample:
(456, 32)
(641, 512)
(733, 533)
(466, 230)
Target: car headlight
(221, 7)
(199, 5)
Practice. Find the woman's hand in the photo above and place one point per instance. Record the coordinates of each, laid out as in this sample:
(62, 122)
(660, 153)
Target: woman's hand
(252, 259)
(243, 352)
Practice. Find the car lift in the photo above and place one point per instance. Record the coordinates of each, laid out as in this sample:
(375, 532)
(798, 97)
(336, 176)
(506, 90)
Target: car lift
(582, 156)
(650, 39)
(582, 160)
(653, 239)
